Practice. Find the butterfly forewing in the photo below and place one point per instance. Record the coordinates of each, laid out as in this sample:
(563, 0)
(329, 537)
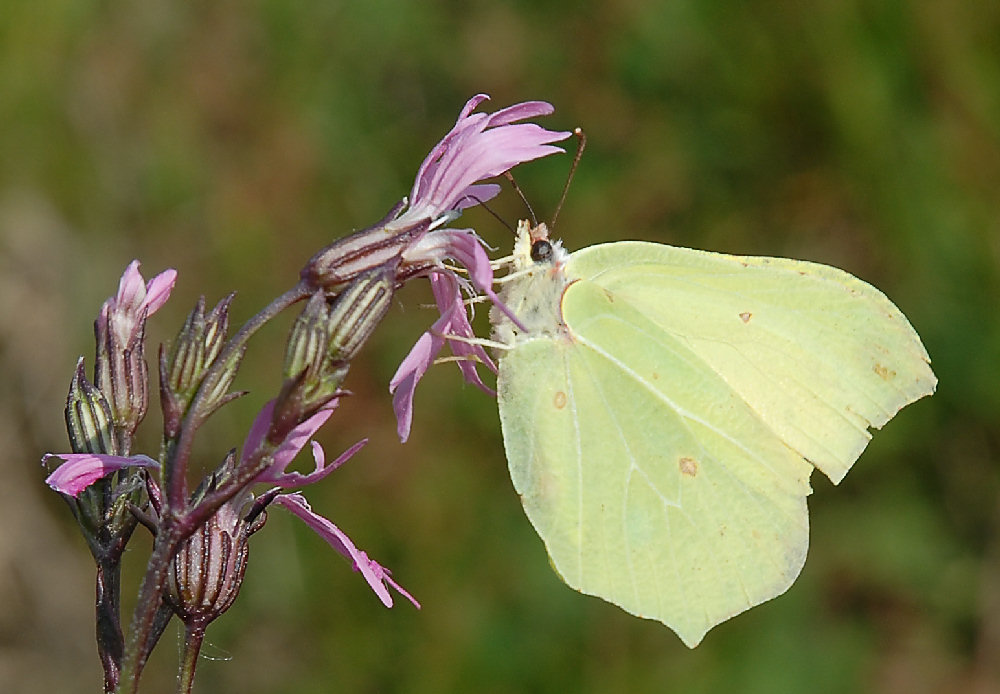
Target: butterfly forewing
(818, 353)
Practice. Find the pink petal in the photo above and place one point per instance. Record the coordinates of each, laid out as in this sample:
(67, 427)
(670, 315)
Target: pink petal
(297, 479)
(476, 194)
(134, 301)
(373, 573)
(479, 146)
(404, 382)
(158, 290)
(258, 430)
(299, 436)
(290, 447)
(454, 321)
(525, 109)
(470, 106)
(131, 289)
(464, 246)
(449, 301)
(80, 470)
(485, 155)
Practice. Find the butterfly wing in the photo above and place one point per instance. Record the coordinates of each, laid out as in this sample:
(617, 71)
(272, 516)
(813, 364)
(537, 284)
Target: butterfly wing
(653, 485)
(820, 355)
(665, 460)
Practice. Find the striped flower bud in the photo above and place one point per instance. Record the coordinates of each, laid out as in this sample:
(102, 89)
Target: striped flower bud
(309, 337)
(380, 245)
(192, 354)
(207, 572)
(323, 341)
(356, 313)
(88, 417)
(196, 347)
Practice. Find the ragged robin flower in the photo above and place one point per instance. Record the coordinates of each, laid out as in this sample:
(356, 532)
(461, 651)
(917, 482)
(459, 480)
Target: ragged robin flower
(411, 238)
(469, 152)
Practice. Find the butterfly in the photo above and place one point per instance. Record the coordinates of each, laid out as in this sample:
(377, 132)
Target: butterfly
(663, 408)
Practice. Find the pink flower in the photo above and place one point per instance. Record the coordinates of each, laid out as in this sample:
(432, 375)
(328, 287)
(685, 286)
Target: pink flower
(135, 301)
(276, 473)
(120, 371)
(78, 471)
(454, 321)
(479, 146)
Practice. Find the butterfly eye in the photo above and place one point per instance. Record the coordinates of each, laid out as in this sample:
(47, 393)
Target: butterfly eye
(541, 251)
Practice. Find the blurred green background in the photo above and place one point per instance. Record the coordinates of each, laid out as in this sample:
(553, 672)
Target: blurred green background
(230, 140)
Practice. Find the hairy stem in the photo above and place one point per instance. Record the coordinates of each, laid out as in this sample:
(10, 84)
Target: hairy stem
(110, 641)
(194, 635)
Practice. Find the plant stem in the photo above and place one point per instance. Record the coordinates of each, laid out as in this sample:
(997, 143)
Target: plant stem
(110, 641)
(150, 592)
(194, 635)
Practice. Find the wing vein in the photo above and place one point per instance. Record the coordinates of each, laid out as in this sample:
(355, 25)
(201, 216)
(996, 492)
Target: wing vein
(681, 412)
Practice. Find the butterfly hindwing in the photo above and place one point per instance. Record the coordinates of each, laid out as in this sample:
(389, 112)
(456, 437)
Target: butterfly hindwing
(652, 487)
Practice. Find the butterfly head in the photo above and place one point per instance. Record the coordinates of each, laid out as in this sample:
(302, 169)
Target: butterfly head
(533, 288)
(533, 248)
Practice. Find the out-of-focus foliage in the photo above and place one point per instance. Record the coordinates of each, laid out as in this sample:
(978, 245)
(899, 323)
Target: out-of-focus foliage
(232, 139)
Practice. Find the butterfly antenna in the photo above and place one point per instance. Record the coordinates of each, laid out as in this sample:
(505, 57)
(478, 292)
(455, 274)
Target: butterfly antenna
(482, 203)
(581, 144)
(510, 177)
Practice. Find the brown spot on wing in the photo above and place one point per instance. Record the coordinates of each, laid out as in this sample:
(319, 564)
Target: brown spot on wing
(885, 373)
(559, 400)
(688, 466)
(746, 316)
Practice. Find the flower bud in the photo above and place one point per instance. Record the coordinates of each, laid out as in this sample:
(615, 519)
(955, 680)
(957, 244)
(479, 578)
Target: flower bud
(308, 340)
(121, 373)
(357, 312)
(88, 417)
(120, 329)
(191, 366)
(322, 343)
(345, 259)
(310, 382)
(196, 347)
(207, 572)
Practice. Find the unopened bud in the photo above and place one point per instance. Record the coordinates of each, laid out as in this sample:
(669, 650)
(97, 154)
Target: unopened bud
(88, 417)
(120, 328)
(357, 312)
(196, 347)
(308, 339)
(345, 259)
(207, 572)
(322, 343)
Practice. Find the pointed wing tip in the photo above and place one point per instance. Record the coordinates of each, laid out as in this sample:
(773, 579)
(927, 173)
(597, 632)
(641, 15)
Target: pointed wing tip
(691, 640)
